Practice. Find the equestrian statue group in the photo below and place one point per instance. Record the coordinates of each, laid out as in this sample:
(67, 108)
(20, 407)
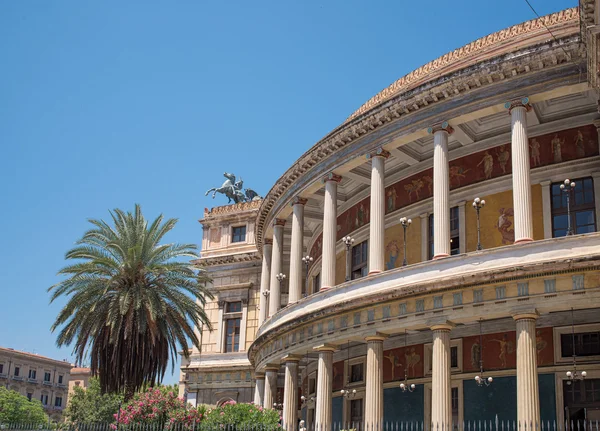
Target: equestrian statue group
(233, 190)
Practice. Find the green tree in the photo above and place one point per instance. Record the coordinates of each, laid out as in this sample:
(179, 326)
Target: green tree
(16, 408)
(131, 300)
(91, 405)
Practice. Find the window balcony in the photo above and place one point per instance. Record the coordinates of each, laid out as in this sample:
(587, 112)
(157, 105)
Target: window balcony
(34, 381)
(3, 376)
(61, 385)
(18, 378)
(47, 383)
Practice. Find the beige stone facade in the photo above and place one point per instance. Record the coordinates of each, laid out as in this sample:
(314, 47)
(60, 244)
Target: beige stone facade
(395, 325)
(36, 377)
(80, 377)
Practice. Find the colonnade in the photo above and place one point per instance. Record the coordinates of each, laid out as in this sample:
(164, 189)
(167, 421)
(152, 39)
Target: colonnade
(528, 405)
(273, 254)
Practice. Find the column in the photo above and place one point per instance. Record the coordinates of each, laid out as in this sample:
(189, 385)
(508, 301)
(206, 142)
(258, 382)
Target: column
(424, 237)
(596, 179)
(296, 250)
(324, 387)
(329, 231)
(441, 190)
(270, 386)
(547, 208)
(520, 170)
(276, 267)
(441, 401)
(243, 325)
(377, 217)
(221, 326)
(462, 227)
(259, 389)
(290, 393)
(374, 382)
(528, 401)
(265, 278)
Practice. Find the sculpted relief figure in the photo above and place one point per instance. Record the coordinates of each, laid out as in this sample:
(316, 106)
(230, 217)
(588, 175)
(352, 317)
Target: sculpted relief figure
(534, 146)
(579, 145)
(557, 148)
(488, 165)
(503, 155)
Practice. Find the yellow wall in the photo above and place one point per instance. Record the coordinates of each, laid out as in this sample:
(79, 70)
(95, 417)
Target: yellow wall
(497, 220)
(394, 244)
(340, 268)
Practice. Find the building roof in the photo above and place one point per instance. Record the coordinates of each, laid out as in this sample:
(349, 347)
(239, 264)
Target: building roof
(80, 370)
(34, 356)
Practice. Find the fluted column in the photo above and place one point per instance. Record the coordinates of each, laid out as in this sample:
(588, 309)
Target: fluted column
(521, 183)
(377, 217)
(290, 393)
(259, 389)
(270, 386)
(276, 267)
(441, 190)
(324, 387)
(296, 250)
(441, 396)
(374, 382)
(265, 279)
(329, 231)
(528, 400)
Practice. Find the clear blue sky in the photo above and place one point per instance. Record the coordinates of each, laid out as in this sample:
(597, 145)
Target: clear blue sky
(105, 104)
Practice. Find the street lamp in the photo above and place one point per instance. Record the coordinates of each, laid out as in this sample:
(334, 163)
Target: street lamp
(307, 260)
(348, 393)
(478, 204)
(480, 379)
(348, 241)
(405, 386)
(405, 222)
(567, 186)
(574, 375)
(281, 278)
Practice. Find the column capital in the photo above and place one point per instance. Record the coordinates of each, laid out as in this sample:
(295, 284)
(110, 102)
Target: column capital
(379, 152)
(545, 183)
(279, 222)
(522, 102)
(221, 303)
(332, 177)
(596, 123)
(325, 348)
(440, 127)
(291, 358)
(259, 376)
(271, 367)
(595, 174)
(298, 200)
(377, 336)
(268, 241)
(424, 215)
(442, 326)
(526, 315)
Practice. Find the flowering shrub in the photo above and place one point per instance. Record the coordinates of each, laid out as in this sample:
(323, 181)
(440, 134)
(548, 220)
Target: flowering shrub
(153, 406)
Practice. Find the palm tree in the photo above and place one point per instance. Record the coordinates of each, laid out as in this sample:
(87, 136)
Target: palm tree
(131, 303)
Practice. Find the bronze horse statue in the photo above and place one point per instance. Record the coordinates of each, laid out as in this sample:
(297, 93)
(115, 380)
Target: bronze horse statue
(233, 190)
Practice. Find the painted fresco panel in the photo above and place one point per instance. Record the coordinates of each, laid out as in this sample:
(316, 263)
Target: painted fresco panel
(394, 244)
(499, 351)
(395, 362)
(545, 346)
(338, 376)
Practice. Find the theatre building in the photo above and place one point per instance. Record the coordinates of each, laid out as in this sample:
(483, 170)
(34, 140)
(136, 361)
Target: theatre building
(406, 298)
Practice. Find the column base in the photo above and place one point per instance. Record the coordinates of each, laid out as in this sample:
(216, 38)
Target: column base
(440, 256)
(376, 271)
(522, 240)
(324, 288)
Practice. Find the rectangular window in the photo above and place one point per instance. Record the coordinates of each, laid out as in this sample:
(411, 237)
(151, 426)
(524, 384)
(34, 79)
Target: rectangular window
(438, 302)
(578, 282)
(317, 283)
(457, 298)
(454, 233)
(454, 356)
(32, 374)
(454, 404)
(17, 371)
(47, 377)
(356, 373)
(420, 305)
(44, 399)
(360, 256)
(58, 402)
(238, 234)
(583, 210)
(478, 295)
(1, 368)
(523, 289)
(29, 396)
(586, 344)
(232, 335)
(234, 307)
(356, 411)
(500, 292)
(550, 286)
(60, 379)
(312, 383)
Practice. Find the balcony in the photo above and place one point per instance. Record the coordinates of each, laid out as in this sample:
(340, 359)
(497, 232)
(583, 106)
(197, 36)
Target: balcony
(61, 385)
(34, 381)
(18, 378)
(3, 376)
(47, 383)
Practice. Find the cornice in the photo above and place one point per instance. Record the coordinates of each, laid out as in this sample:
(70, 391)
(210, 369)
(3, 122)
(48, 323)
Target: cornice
(535, 56)
(227, 259)
(230, 209)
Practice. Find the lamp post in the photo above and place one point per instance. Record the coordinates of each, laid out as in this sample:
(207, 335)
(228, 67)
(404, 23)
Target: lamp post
(480, 379)
(405, 222)
(567, 186)
(307, 260)
(348, 241)
(478, 204)
(281, 278)
(574, 375)
(405, 386)
(348, 393)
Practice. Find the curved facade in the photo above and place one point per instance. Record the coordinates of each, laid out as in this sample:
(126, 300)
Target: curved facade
(380, 320)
